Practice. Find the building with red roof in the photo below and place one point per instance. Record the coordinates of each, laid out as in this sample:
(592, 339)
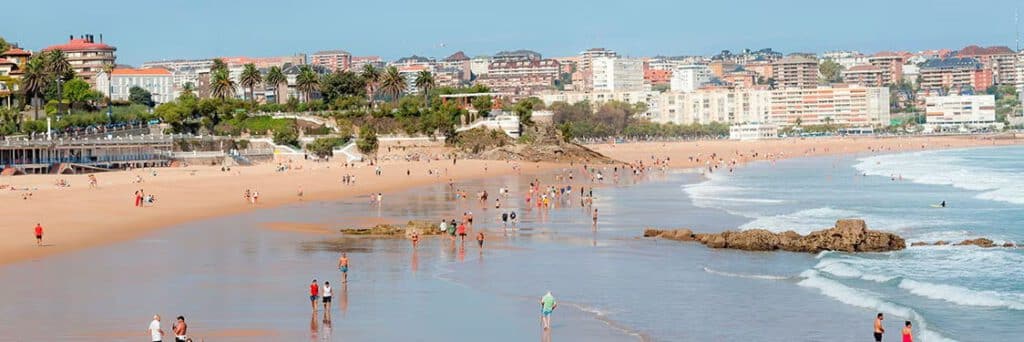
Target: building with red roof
(1001, 60)
(86, 56)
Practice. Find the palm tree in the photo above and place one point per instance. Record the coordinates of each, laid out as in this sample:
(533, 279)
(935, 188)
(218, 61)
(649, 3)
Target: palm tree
(221, 84)
(33, 81)
(276, 77)
(250, 78)
(108, 68)
(218, 64)
(307, 81)
(57, 65)
(372, 76)
(187, 90)
(425, 81)
(392, 83)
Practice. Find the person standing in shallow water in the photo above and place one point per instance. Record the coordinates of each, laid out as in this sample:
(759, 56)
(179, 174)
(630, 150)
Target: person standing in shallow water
(547, 306)
(314, 293)
(879, 330)
(343, 267)
(908, 332)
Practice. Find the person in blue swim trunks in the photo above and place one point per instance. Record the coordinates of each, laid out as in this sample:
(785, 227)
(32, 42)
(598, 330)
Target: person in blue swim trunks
(343, 267)
(547, 305)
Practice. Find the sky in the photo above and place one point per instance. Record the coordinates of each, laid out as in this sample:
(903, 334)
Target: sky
(171, 29)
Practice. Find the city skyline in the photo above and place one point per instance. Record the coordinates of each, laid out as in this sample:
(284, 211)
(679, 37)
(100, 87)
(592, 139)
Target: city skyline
(196, 29)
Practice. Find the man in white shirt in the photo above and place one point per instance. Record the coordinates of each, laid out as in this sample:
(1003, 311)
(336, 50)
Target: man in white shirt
(155, 332)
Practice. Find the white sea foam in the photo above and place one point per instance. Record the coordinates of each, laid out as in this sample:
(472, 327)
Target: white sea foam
(803, 221)
(961, 295)
(844, 270)
(868, 300)
(937, 168)
(748, 276)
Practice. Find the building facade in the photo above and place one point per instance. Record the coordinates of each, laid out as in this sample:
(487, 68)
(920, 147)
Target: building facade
(334, 60)
(865, 75)
(955, 73)
(86, 56)
(156, 81)
(520, 74)
(796, 71)
(891, 66)
(617, 74)
(689, 78)
(849, 105)
(960, 111)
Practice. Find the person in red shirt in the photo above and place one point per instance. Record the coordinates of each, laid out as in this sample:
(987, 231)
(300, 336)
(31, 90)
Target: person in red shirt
(39, 234)
(462, 232)
(314, 293)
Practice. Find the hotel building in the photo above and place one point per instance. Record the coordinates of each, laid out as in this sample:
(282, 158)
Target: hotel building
(86, 56)
(956, 111)
(839, 104)
(156, 81)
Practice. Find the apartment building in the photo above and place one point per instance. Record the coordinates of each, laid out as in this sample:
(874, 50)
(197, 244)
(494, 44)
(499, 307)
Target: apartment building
(520, 73)
(334, 60)
(796, 71)
(688, 78)
(359, 62)
(650, 98)
(1001, 60)
(865, 75)
(156, 81)
(891, 66)
(86, 56)
(617, 74)
(956, 111)
(955, 73)
(714, 105)
(839, 104)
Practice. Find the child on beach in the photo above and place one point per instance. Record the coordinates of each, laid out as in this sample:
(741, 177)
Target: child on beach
(39, 234)
(480, 239)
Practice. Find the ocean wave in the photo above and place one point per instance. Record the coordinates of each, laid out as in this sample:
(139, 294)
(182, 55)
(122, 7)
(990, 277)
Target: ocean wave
(868, 300)
(803, 221)
(939, 168)
(962, 295)
(748, 276)
(844, 270)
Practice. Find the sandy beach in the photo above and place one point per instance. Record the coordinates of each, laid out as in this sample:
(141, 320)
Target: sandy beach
(76, 216)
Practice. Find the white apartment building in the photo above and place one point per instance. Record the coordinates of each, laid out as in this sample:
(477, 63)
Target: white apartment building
(689, 78)
(960, 111)
(616, 74)
(840, 105)
(478, 65)
(157, 81)
(753, 131)
(714, 105)
(847, 59)
(651, 98)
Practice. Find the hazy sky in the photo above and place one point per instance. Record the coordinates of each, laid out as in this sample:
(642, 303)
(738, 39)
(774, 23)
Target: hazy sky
(153, 30)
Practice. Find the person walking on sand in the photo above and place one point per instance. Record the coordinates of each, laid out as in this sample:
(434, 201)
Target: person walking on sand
(907, 332)
(180, 330)
(480, 239)
(547, 306)
(314, 293)
(343, 267)
(138, 198)
(879, 330)
(300, 193)
(155, 333)
(595, 218)
(39, 235)
(327, 299)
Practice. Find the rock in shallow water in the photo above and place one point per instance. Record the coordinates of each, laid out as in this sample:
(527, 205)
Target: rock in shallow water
(849, 235)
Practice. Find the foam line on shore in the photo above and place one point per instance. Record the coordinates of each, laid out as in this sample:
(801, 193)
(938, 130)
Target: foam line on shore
(748, 276)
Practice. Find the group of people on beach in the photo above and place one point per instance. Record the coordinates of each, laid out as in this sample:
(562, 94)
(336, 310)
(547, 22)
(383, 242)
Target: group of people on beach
(142, 199)
(179, 328)
(251, 196)
(907, 333)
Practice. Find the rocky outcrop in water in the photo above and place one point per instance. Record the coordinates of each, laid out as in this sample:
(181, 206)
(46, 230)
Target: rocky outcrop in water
(393, 230)
(980, 242)
(849, 235)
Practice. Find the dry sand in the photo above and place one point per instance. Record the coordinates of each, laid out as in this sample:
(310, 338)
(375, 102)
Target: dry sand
(77, 216)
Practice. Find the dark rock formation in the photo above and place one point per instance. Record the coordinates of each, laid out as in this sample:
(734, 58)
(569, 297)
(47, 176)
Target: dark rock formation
(850, 235)
(980, 242)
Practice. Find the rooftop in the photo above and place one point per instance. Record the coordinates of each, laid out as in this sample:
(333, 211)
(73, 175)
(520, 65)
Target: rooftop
(951, 63)
(15, 51)
(150, 71)
(332, 52)
(458, 56)
(84, 43)
(974, 50)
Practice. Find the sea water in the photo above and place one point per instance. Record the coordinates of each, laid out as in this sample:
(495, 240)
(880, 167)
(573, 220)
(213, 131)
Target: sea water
(952, 292)
(233, 274)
